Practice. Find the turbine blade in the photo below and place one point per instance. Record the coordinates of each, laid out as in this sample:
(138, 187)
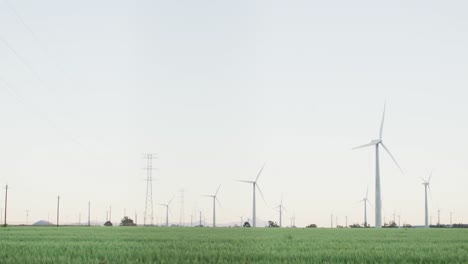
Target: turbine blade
(430, 176)
(216, 198)
(263, 197)
(393, 158)
(260, 172)
(245, 181)
(430, 194)
(382, 123)
(366, 145)
(369, 203)
(217, 190)
(367, 192)
(170, 201)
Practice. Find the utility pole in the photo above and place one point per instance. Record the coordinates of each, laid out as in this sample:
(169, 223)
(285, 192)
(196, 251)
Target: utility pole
(200, 220)
(58, 210)
(6, 203)
(331, 221)
(242, 221)
(89, 213)
(191, 220)
(346, 222)
(149, 216)
(110, 213)
(451, 219)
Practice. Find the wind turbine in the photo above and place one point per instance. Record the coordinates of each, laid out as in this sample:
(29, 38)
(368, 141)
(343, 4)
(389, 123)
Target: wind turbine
(426, 187)
(376, 143)
(281, 208)
(365, 201)
(255, 186)
(215, 199)
(167, 210)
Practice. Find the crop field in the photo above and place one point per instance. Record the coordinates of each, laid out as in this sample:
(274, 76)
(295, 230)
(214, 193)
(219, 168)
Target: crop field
(230, 245)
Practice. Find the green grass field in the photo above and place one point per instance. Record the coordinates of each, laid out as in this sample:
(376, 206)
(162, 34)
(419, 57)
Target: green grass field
(230, 245)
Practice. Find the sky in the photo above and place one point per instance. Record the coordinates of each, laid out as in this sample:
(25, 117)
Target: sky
(218, 88)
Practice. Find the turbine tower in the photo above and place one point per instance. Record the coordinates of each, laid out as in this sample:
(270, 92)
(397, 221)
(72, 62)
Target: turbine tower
(377, 143)
(426, 187)
(215, 199)
(365, 201)
(255, 186)
(167, 210)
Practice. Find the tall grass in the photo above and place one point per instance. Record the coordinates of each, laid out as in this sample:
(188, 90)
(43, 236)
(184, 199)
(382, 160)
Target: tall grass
(230, 245)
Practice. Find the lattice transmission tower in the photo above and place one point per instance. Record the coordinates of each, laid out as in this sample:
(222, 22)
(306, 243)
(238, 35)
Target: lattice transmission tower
(148, 218)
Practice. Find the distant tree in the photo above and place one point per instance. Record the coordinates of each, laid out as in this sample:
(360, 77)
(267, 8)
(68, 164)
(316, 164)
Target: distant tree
(438, 226)
(407, 226)
(127, 221)
(390, 225)
(355, 226)
(272, 224)
(246, 224)
(460, 226)
(311, 226)
(108, 223)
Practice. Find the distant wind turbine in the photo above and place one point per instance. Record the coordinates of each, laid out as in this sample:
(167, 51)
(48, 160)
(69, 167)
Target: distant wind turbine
(215, 199)
(167, 210)
(365, 201)
(426, 184)
(376, 143)
(255, 186)
(281, 209)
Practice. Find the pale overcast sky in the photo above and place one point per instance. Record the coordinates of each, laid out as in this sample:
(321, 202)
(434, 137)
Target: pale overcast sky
(217, 88)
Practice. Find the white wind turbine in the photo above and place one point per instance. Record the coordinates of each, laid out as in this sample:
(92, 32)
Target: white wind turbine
(376, 143)
(167, 210)
(426, 187)
(215, 199)
(255, 186)
(281, 209)
(365, 201)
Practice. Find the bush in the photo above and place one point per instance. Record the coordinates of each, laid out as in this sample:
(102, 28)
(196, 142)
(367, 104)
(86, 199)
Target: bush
(311, 226)
(126, 221)
(272, 224)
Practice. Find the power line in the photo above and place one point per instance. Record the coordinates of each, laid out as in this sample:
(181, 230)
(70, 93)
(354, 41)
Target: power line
(22, 60)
